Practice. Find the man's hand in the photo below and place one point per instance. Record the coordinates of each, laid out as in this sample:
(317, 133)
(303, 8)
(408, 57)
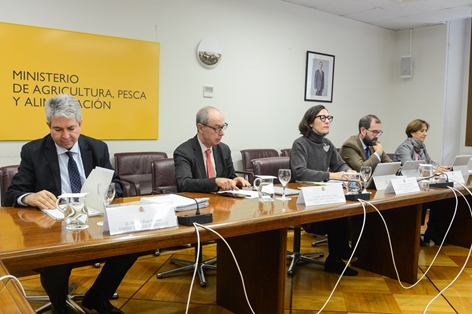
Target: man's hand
(240, 181)
(42, 199)
(231, 184)
(378, 148)
(225, 184)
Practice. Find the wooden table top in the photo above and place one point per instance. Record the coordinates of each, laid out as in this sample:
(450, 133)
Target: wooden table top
(30, 239)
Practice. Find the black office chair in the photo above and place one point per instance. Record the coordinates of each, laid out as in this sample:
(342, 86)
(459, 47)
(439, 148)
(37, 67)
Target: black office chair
(163, 179)
(249, 154)
(285, 152)
(6, 175)
(134, 169)
(71, 301)
(271, 166)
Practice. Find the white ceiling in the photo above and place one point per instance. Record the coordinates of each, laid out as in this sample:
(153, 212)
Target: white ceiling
(394, 14)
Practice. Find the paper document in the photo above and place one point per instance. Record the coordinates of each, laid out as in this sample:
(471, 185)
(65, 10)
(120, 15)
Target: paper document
(92, 201)
(240, 193)
(181, 203)
(54, 213)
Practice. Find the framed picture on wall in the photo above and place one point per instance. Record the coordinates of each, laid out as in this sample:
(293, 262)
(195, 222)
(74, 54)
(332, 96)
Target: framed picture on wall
(319, 77)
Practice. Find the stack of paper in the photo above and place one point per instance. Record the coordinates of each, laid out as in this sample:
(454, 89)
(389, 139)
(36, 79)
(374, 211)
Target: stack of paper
(181, 203)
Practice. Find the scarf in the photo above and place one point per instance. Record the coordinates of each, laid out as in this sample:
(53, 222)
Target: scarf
(418, 147)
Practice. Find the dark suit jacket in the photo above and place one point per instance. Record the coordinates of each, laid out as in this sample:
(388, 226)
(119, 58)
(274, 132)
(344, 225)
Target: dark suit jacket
(39, 167)
(319, 80)
(190, 169)
(353, 154)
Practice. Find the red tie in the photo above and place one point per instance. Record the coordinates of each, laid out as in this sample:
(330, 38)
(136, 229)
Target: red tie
(209, 167)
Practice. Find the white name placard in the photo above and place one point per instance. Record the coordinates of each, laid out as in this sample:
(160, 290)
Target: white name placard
(455, 176)
(403, 185)
(319, 195)
(139, 217)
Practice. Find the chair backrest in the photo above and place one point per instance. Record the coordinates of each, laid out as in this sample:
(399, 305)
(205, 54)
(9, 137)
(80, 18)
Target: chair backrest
(134, 169)
(6, 175)
(163, 175)
(250, 154)
(285, 152)
(270, 166)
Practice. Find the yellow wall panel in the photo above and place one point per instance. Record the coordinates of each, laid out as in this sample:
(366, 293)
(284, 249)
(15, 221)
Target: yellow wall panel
(116, 81)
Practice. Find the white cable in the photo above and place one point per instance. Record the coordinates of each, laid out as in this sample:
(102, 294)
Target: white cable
(465, 262)
(349, 261)
(194, 270)
(15, 279)
(235, 260)
(437, 253)
(393, 256)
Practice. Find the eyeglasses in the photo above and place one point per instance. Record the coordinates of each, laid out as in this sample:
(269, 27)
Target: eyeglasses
(323, 118)
(376, 132)
(217, 128)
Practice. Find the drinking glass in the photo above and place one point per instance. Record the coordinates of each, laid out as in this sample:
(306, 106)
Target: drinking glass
(284, 178)
(106, 193)
(365, 172)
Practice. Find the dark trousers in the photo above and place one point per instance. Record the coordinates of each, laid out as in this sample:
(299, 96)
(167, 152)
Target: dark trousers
(55, 279)
(338, 235)
(435, 214)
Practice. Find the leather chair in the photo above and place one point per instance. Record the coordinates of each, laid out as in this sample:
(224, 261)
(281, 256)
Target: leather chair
(271, 166)
(163, 176)
(250, 154)
(163, 179)
(285, 152)
(134, 169)
(6, 175)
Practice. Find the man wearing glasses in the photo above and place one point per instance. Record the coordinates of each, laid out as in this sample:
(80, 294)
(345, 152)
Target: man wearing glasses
(364, 149)
(203, 163)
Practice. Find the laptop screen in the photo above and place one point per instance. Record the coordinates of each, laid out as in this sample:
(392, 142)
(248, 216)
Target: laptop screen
(384, 169)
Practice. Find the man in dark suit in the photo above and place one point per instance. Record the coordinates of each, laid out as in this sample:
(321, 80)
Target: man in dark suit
(319, 80)
(43, 175)
(203, 163)
(364, 149)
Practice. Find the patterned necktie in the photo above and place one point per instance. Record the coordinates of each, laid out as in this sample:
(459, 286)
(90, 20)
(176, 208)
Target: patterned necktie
(208, 161)
(367, 152)
(74, 176)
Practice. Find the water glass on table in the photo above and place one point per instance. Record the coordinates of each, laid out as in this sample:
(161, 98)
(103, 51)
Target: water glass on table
(284, 177)
(366, 172)
(106, 194)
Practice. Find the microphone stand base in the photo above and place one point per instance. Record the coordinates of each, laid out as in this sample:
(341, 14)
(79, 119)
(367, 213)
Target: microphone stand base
(188, 220)
(355, 197)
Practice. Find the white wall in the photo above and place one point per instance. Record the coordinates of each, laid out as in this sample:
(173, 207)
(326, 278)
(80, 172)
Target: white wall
(421, 96)
(259, 84)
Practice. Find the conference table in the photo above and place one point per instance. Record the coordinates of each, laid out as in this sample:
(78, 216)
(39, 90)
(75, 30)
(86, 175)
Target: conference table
(255, 231)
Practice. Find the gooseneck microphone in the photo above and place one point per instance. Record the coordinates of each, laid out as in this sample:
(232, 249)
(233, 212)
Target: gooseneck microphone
(188, 220)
